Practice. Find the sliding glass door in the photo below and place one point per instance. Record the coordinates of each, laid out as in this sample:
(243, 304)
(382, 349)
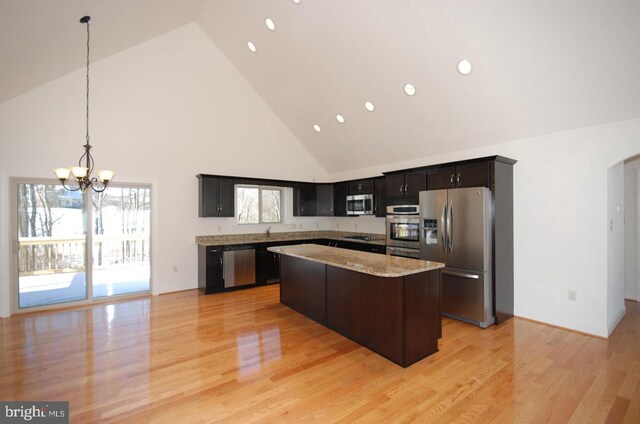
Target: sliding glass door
(51, 245)
(57, 232)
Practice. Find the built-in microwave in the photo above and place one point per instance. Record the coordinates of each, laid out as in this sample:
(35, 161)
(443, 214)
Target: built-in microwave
(360, 204)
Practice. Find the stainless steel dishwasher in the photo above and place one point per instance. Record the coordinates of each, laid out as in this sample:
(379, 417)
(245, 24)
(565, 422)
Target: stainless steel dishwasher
(239, 266)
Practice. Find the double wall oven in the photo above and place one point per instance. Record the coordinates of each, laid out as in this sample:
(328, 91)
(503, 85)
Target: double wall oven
(403, 231)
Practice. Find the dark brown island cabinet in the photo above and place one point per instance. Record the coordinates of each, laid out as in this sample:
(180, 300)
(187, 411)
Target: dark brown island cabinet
(396, 314)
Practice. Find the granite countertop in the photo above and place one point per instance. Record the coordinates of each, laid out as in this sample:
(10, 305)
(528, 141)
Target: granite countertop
(365, 262)
(230, 239)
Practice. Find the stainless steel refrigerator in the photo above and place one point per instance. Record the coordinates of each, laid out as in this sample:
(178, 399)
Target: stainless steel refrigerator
(455, 229)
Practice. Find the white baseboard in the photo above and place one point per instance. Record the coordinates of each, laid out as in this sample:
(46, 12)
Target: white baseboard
(616, 320)
(582, 327)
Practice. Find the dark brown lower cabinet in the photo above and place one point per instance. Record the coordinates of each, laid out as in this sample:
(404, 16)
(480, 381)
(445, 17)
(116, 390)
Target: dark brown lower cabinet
(210, 265)
(267, 267)
(396, 317)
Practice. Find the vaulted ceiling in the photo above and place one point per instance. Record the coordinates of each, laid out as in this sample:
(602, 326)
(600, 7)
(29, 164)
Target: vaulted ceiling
(537, 66)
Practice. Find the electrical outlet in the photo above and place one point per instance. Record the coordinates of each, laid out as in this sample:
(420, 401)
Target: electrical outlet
(572, 295)
(175, 268)
(355, 226)
(219, 228)
(317, 225)
(337, 225)
(611, 225)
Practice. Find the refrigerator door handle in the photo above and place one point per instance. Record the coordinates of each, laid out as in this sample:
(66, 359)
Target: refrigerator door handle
(450, 227)
(443, 221)
(460, 274)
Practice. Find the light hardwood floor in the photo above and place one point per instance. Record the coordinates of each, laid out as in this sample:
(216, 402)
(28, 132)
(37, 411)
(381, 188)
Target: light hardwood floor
(241, 357)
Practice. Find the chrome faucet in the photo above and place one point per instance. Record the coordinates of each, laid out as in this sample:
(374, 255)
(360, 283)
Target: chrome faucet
(267, 232)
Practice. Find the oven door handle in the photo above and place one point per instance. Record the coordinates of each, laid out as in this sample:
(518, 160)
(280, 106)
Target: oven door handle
(392, 251)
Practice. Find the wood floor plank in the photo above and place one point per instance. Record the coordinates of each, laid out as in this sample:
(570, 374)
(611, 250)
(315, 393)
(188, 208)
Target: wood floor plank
(243, 357)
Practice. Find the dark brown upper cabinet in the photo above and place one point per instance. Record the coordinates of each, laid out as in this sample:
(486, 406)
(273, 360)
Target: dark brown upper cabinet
(216, 197)
(405, 184)
(324, 199)
(380, 198)
(340, 193)
(474, 174)
(304, 199)
(361, 187)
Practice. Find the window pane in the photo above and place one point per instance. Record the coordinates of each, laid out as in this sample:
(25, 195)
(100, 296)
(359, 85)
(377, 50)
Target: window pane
(271, 206)
(122, 219)
(247, 205)
(51, 239)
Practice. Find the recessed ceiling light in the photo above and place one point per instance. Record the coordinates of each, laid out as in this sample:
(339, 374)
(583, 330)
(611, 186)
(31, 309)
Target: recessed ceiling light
(317, 128)
(296, 1)
(464, 67)
(409, 89)
(270, 24)
(340, 118)
(252, 47)
(369, 106)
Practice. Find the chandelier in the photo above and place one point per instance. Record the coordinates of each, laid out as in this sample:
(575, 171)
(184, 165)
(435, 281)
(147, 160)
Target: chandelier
(83, 173)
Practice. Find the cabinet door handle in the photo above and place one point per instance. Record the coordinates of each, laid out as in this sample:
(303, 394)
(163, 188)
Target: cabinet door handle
(220, 260)
(401, 186)
(451, 179)
(458, 179)
(406, 188)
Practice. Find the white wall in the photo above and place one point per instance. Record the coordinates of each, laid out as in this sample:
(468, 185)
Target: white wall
(631, 233)
(161, 112)
(615, 246)
(560, 213)
(5, 243)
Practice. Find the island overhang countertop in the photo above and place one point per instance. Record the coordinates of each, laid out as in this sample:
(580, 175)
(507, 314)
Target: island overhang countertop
(365, 262)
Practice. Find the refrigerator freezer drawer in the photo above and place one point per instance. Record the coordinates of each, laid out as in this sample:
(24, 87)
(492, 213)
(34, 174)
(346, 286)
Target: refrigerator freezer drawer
(466, 295)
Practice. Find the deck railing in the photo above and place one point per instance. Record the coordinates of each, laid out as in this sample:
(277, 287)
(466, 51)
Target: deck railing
(47, 255)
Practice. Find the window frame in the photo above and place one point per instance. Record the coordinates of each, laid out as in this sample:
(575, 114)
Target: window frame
(260, 189)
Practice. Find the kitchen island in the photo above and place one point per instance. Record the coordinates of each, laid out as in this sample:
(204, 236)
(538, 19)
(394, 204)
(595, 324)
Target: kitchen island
(388, 304)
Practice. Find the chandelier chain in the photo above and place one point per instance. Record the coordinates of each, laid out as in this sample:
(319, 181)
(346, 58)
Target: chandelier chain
(88, 38)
